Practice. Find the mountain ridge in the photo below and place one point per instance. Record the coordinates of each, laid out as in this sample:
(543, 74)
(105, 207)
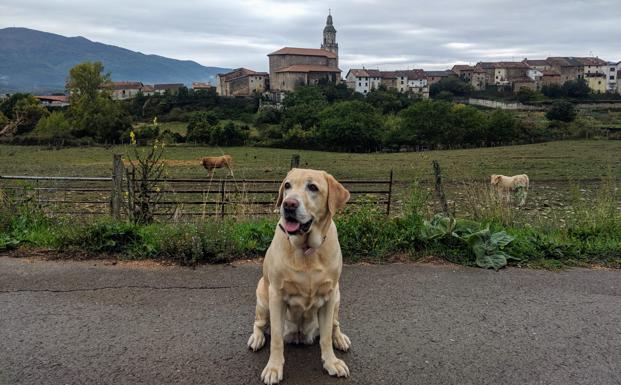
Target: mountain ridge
(37, 61)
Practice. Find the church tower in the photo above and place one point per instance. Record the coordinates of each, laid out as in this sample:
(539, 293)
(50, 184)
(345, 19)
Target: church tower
(329, 37)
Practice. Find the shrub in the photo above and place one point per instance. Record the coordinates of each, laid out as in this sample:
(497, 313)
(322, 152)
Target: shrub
(561, 110)
(350, 126)
(53, 128)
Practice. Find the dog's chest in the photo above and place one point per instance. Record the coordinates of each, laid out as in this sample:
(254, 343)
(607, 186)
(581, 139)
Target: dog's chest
(307, 290)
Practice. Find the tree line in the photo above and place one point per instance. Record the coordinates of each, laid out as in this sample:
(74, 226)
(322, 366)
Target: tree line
(324, 117)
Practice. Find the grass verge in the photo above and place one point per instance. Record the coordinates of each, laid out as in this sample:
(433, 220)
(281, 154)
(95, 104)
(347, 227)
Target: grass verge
(592, 235)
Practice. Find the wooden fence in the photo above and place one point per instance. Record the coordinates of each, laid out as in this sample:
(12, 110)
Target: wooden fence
(179, 198)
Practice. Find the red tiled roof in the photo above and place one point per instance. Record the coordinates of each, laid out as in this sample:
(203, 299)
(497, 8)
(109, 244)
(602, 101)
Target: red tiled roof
(415, 74)
(148, 88)
(462, 67)
(304, 52)
(201, 85)
(308, 68)
(365, 73)
(564, 61)
(170, 86)
(388, 74)
(511, 64)
(591, 61)
(125, 85)
(536, 62)
(54, 98)
(439, 73)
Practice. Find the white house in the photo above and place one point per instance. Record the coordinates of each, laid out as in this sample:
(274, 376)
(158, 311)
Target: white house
(363, 80)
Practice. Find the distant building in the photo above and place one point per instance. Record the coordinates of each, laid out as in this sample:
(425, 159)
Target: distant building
(291, 67)
(172, 88)
(54, 100)
(125, 90)
(597, 82)
(148, 90)
(538, 64)
(612, 81)
(435, 76)
(242, 82)
(365, 80)
(549, 77)
(569, 68)
(201, 86)
(479, 79)
(464, 71)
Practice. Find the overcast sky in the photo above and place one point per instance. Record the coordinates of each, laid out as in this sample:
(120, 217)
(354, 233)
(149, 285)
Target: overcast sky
(374, 33)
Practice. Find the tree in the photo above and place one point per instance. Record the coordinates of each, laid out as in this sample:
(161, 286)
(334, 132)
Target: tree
(26, 114)
(302, 107)
(424, 122)
(7, 105)
(454, 85)
(52, 128)
(350, 126)
(501, 126)
(576, 88)
(467, 125)
(561, 110)
(525, 95)
(388, 101)
(87, 82)
(92, 113)
(228, 134)
(553, 91)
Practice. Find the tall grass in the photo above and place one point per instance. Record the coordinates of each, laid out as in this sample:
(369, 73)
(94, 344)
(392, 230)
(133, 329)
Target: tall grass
(589, 233)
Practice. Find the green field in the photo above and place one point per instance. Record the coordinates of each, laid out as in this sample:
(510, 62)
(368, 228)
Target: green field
(543, 162)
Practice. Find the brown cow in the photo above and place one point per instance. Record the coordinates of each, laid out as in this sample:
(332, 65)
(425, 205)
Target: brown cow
(212, 162)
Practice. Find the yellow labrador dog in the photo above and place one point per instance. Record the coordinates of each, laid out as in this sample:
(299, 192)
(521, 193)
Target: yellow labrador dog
(298, 295)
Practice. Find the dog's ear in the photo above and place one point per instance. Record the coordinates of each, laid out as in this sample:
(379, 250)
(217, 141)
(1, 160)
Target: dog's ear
(337, 195)
(281, 193)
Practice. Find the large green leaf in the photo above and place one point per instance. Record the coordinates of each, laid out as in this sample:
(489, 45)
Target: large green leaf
(495, 261)
(501, 239)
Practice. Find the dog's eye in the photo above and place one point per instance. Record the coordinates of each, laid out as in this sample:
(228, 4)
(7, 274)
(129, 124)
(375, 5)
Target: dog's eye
(287, 186)
(313, 187)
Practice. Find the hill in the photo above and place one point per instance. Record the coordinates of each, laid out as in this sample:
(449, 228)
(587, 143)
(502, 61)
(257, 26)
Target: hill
(35, 61)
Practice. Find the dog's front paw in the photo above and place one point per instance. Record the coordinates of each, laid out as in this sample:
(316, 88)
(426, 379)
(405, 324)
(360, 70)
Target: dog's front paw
(336, 367)
(341, 341)
(272, 374)
(256, 341)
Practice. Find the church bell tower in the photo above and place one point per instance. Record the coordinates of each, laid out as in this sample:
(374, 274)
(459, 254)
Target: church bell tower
(329, 36)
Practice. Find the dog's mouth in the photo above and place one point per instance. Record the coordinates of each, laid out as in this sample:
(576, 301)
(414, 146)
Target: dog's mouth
(293, 226)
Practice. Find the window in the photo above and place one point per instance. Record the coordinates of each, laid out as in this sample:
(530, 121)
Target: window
(401, 83)
(612, 69)
(359, 84)
(612, 77)
(365, 91)
(366, 84)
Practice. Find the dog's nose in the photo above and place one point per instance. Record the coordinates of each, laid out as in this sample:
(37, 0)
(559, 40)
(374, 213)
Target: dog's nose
(290, 204)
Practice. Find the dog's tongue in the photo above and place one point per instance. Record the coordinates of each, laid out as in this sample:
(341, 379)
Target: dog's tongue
(292, 227)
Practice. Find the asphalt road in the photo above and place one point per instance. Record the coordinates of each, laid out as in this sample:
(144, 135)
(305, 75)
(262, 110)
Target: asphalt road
(89, 323)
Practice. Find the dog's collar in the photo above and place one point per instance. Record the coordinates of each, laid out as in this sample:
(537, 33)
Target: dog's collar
(307, 249)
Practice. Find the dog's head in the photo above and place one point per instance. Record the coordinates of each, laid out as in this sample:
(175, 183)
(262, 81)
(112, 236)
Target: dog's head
(309, 197)
(495, 179)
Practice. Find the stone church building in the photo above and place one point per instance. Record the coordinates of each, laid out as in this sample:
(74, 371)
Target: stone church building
(291, 67)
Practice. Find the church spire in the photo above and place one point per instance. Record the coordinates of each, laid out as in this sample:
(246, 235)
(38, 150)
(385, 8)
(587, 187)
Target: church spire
(329, 36)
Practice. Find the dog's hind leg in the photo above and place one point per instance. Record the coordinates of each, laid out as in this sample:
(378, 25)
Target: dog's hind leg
(261, 318)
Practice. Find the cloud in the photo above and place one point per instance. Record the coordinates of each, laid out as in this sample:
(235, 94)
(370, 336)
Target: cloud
(386, 34)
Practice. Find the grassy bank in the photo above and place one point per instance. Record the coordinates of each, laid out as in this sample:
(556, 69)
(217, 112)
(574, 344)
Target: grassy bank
(493, 236)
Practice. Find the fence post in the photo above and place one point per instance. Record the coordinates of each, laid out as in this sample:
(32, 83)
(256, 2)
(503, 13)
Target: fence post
(439, 189)
(295, 161)
(117, 186)
(389, 194)
(222, 187)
